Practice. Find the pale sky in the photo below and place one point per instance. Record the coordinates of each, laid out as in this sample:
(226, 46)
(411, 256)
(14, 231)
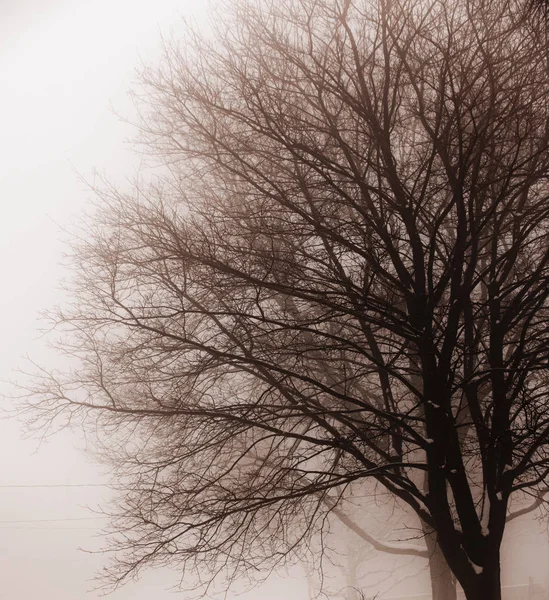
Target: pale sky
(62, 64)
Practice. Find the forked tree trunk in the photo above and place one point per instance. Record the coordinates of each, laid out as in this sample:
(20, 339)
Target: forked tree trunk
(486, 585)
(443, 582)
(490, 587)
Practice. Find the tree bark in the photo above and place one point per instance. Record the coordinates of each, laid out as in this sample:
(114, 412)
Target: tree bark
(485, 586)
(483, 582)
(490, 582)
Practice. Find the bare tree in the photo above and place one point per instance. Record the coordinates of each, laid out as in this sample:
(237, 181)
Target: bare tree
(365, 527)
(342, 273)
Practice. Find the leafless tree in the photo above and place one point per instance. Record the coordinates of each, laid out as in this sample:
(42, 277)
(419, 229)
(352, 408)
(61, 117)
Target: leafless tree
(341, 273)
(374, 546)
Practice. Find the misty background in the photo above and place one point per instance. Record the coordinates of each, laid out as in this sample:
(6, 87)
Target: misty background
(65, 68)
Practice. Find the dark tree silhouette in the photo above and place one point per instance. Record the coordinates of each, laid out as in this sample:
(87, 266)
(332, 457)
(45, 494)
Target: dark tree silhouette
(341, 273)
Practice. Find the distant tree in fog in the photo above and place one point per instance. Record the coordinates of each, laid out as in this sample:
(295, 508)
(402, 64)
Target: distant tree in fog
(340, 274)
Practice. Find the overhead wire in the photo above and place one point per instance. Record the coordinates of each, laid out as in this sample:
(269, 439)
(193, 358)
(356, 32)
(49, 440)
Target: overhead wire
(52, 485)
(19, 524)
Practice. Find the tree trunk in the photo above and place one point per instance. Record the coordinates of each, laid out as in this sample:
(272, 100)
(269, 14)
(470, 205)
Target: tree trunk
(352, 589)
(443, 583)
(486, 585)
(490, 582)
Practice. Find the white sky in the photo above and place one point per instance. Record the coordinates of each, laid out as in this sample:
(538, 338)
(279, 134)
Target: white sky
(62, 64)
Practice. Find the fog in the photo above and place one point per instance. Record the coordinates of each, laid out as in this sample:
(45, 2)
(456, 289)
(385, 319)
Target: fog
(65, 69)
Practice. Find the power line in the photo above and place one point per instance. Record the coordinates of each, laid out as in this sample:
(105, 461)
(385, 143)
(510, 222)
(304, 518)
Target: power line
(23, 528)
(53, 485)
(53, 520)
